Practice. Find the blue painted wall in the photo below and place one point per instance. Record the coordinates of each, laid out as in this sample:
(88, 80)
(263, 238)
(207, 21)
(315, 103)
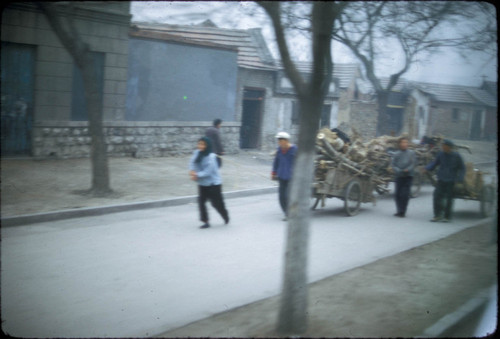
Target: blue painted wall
(177, 82)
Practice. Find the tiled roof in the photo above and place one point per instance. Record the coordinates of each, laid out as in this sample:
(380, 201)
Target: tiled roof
(252, 50)
(483, 97)
(447, 93)
(457, 93)
(344, 72)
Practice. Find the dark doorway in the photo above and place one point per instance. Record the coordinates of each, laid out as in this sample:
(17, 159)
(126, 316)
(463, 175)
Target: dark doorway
(325, 116)
(394, 122)
(17, 74)
(253, 100)
(475, 127)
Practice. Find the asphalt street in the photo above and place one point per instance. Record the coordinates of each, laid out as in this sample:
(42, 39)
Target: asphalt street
(144, 272)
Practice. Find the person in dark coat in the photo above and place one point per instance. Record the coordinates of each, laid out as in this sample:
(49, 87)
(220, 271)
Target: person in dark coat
(205, 171)
(451, 170)
(214, 134)
(403, 164)
(283, 168)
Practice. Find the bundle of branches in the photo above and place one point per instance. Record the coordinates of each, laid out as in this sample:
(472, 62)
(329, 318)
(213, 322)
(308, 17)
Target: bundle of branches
(333, 152)
(372, 158)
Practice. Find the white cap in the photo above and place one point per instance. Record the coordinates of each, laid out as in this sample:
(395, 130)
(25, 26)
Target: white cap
(283, 135)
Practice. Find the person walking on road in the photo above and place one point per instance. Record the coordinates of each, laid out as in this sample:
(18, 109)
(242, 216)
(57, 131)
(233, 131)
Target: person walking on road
(403, 164)
(204, 170)
(283, 168)
(214, 134)
(451, 170)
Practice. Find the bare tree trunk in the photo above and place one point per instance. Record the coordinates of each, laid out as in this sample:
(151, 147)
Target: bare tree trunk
(294, 299)
(383, 118)
(99, 158)
(80, 52)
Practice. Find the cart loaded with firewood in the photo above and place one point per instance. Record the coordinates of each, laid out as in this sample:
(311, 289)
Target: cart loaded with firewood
(352, 170)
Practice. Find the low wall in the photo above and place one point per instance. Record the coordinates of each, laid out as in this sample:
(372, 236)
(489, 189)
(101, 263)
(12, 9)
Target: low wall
(71, 139)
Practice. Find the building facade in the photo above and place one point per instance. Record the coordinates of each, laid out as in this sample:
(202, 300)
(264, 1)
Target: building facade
(42, 88)
(163, 85)
(453, 111)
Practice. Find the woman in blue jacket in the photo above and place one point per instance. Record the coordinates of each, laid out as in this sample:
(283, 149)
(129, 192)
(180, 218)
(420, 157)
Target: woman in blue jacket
(283, 168)
(205, 170)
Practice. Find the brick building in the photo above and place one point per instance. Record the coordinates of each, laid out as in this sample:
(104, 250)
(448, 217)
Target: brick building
(459, 112)
(419, 108)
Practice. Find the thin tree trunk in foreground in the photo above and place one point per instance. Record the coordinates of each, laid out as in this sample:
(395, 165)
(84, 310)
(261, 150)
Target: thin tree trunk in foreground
(292, 318)
(81, 54)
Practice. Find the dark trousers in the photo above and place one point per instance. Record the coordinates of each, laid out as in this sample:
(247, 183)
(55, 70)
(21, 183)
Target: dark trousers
(443, 199)
(283, 194)
(402, 195)
(214, 194)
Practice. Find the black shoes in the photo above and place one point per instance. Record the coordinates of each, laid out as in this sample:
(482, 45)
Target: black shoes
(401, 215)
(207, 225)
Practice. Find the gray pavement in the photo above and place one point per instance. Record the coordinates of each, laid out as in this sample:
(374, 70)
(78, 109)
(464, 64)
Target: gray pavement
(152, 272)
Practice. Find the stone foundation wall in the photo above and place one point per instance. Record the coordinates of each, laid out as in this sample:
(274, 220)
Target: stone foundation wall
(136, 139)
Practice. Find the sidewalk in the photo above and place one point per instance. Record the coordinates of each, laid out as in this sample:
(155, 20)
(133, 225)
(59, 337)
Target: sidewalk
(423, 292)
(31, 186)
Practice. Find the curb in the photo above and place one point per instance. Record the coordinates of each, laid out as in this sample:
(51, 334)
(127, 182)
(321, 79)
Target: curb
(95, 211)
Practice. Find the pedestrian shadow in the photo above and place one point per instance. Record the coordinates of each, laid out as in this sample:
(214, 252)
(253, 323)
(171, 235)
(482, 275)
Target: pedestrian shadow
(333, 211)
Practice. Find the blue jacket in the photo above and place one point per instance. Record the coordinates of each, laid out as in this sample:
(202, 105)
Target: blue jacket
(283, 163)
(451, 167)
(207, 169)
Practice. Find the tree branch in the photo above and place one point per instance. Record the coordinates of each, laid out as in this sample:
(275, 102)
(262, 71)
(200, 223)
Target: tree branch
(273, 10)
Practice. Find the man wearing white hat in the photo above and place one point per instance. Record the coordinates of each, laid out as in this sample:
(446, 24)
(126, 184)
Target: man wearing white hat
(283, 168)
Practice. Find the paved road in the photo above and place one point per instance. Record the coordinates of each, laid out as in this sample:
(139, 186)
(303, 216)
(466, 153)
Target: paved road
(144, 272)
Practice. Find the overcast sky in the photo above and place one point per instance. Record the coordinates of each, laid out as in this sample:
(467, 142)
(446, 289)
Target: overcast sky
(447, 68)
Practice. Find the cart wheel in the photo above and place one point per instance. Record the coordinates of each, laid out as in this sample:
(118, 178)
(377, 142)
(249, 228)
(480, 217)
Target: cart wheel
(416, 185)
(487, 202)
(314, 200)
(352, 197)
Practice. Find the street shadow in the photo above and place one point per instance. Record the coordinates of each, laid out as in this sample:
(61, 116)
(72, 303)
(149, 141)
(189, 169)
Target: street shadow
(332, 210)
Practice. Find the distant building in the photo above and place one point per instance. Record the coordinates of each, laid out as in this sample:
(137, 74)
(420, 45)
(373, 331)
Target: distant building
(459, 112)
(419, 108)
(163, 85)
(265, 100)
(337, 106)
(255, 75)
